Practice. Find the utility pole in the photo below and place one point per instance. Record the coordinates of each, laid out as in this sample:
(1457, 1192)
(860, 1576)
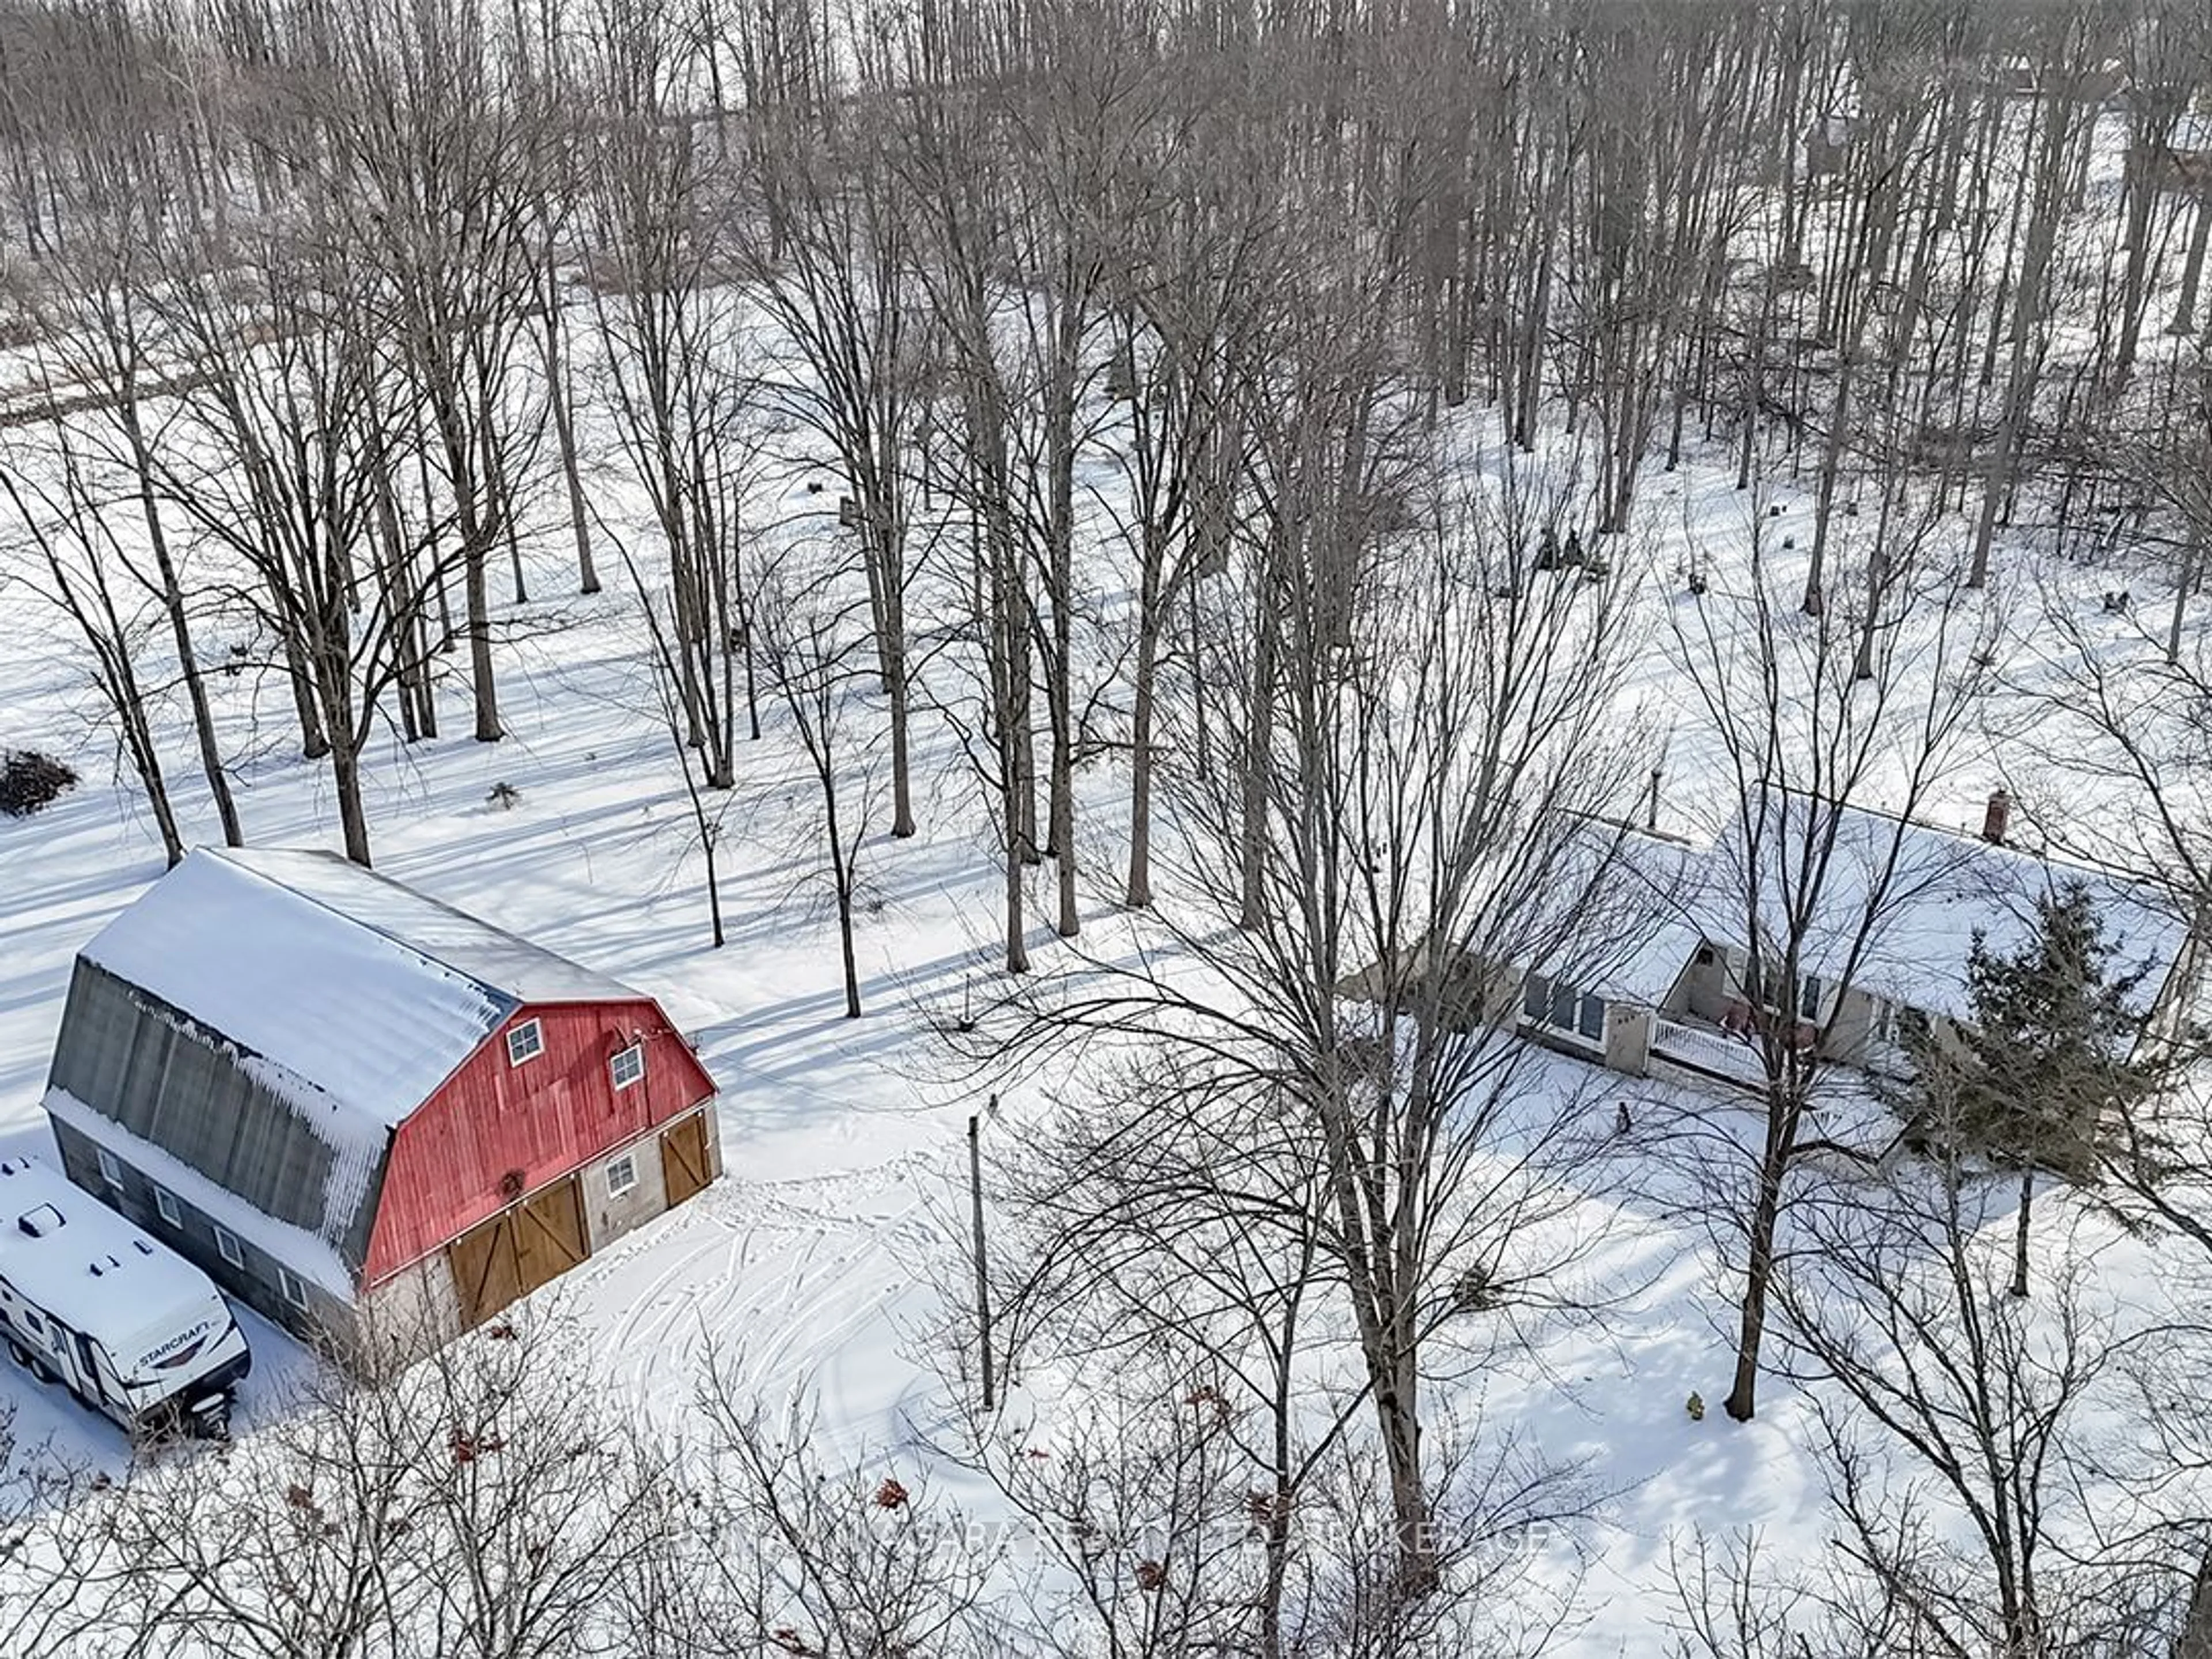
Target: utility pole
(982, 1277)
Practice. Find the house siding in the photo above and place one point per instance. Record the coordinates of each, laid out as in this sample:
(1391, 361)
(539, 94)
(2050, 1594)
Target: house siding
(1849, 1035)
(495, 1132)
(1706, 988)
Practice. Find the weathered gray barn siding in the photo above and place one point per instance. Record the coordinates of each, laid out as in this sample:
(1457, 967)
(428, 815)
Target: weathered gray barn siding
(255, 1284)
(168, 1080)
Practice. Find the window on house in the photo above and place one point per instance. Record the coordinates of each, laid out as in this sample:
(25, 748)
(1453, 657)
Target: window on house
(1562, 1006)
(1808, 997)
(227, 1245)
(166, 1205)
(1562, 1010)
(628, 1065)
(621, 1175)
(1756, 977)
(109, 1170)
(295, 1292)
(525, 1041)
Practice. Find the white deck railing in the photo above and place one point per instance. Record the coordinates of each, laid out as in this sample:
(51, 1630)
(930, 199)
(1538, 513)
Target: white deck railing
(1709, 1051)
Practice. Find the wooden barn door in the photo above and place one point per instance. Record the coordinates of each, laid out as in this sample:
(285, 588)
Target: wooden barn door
(684, 1165)
(549, 1234)
(517, 1251)
(485, 1272)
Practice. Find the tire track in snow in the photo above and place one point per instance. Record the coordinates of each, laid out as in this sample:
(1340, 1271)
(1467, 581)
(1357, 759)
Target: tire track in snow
(788, 1284)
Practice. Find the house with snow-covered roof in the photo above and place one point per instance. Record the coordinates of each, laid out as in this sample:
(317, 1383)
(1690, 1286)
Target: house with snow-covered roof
(1884, 953)
(361, 1110)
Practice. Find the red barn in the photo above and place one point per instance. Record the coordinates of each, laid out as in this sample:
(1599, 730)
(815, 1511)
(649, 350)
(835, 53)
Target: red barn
(370, 1115)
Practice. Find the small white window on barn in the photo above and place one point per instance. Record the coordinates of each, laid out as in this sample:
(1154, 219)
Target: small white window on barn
(525, 1041)
(295, 1292)
(229, 1246)
(621, 1175)
(628, 1065)
(109, 1170)
(166, 1205)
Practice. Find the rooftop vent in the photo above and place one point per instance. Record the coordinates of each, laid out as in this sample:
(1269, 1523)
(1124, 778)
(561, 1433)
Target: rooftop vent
(37, 1223)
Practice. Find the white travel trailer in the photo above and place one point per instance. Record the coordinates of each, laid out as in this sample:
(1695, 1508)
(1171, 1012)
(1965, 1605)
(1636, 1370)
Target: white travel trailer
(88, 1300)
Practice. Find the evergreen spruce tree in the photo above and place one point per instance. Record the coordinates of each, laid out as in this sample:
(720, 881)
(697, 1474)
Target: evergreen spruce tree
(2046, 1056)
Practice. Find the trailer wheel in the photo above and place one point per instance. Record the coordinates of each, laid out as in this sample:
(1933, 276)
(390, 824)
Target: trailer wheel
(19, 1353)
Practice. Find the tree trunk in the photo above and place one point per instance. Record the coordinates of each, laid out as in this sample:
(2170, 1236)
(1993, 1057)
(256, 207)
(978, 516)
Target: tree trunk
(313, 744)
(1017, 949)
(1138, 892)
(1010, 669)
(1259, 736)
(138, 740)
(345, 774)
(714, 885)
(889, 537)
(2019, 1233)
(1742, 1403)
(488, 729)
(1824, 500)
(564, 429)
(902, 824)
(2195, 1639)
(1398, 1416)
(2141, 192)
(1060, 691)
(2191, 562)
(173, 601)
(841, 873)
(2022, 367)
(2192, 269)
(1281, 1493)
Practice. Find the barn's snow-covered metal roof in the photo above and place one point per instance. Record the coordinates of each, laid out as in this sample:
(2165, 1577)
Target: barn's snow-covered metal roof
(359, 996)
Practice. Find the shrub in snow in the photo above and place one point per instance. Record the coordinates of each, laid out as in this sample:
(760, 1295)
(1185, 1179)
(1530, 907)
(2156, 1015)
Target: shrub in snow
(30, 781)
(503, 796)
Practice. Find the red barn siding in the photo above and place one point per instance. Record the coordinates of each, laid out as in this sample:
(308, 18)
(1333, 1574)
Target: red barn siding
(451, 1161)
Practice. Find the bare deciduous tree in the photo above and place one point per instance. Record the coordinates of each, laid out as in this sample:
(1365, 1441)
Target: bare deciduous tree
(1817, 719)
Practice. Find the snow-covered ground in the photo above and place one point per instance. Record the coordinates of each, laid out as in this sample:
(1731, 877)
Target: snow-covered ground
(814, 1264)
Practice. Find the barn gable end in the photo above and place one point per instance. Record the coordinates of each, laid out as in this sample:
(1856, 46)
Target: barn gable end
(497, 1130)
